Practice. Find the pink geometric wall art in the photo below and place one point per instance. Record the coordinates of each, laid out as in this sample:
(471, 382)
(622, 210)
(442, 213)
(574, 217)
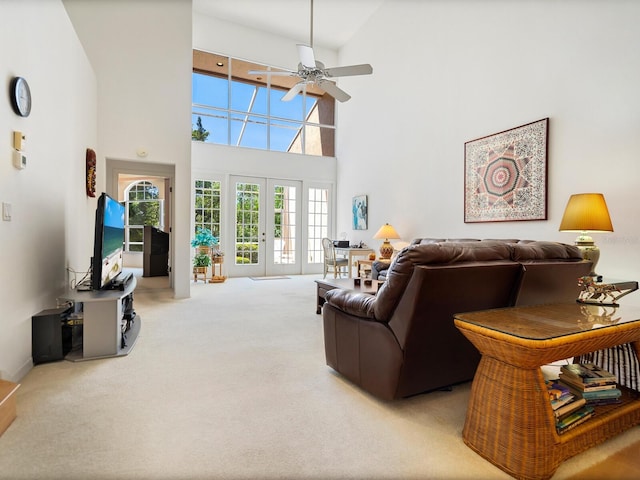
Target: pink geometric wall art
(505, 175)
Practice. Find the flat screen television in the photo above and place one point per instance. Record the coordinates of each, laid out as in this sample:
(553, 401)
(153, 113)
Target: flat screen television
(108, 244)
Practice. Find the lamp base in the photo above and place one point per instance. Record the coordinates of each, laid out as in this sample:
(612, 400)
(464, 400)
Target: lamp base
(386, 250)
(590, 251)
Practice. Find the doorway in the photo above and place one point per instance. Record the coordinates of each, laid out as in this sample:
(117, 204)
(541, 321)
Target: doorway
(267, 224)
(146, 191)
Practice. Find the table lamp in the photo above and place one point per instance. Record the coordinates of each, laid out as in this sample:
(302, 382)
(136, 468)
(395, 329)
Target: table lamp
(587, 212)
(387, 232)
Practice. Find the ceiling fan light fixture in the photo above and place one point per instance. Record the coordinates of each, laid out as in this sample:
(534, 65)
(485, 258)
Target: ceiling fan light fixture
(311, 71)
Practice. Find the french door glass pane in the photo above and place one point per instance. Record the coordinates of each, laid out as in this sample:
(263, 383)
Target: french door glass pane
(284, 208)
(207, 206)
(247, 223)
(318, 222)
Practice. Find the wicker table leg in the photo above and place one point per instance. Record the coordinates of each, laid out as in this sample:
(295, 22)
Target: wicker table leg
(509, 421)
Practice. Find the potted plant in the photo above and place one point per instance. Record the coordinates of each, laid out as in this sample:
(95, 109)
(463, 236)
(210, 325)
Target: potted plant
(201, 262)
(204, 240)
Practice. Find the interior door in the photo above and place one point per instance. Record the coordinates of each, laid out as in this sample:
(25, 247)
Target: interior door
(266, 234)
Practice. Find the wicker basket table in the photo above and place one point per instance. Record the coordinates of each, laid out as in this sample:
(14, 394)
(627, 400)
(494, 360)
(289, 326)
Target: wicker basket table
(509, 420)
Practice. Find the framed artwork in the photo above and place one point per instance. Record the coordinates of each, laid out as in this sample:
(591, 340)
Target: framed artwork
(505, 175)
(359, 208)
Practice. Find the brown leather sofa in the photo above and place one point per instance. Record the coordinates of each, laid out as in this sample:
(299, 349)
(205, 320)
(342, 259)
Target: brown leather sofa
(403, 341)
(379, 267)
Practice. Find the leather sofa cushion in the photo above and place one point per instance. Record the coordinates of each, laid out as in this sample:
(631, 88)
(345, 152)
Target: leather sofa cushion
(542, 250)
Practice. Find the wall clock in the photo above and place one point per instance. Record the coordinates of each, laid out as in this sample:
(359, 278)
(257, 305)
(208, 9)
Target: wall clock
(20, 96)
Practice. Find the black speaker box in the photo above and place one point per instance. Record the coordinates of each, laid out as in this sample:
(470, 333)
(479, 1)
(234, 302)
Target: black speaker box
(46, 335)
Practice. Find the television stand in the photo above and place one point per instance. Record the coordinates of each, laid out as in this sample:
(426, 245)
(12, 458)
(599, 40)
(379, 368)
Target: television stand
(106, 315)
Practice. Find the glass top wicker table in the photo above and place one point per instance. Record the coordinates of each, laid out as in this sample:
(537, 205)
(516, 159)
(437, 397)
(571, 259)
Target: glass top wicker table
(509, 419)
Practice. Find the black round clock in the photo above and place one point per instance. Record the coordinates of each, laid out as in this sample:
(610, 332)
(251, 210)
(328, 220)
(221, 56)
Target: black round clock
(20, 96)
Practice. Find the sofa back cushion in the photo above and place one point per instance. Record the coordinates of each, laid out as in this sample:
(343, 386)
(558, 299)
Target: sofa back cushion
(550, 272)
(542, 250)
(423, 320)
(447, 253)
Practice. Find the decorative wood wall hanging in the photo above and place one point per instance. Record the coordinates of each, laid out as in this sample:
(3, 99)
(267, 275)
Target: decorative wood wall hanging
(91, 173)
(505, 175)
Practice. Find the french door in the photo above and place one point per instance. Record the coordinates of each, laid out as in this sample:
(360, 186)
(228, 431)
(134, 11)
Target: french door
(267, 216)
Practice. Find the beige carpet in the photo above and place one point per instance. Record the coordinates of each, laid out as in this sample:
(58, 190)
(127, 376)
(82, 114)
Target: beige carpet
(232, 384)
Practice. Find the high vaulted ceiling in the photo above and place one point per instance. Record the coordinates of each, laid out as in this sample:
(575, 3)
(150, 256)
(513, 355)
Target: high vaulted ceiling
(334, 21)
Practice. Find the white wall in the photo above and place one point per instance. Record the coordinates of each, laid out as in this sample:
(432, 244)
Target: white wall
(52, 216)
(446, 72)
(141, 52)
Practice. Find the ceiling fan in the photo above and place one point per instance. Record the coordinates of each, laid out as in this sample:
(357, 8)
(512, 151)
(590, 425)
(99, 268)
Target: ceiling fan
(312, 71)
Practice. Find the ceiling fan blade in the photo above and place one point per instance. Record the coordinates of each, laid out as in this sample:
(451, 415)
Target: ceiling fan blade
(293, 91)
(364, 69)
(267, 72)
(305, 53)
(334, 91)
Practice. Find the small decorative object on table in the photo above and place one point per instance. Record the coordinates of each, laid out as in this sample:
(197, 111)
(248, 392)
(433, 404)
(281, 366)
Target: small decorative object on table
(603, 293)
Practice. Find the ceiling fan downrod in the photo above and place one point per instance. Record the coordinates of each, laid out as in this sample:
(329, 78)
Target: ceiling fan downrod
(311, 29)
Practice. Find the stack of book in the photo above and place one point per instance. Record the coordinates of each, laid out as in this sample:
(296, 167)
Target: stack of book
(569, 409)
(590, 382)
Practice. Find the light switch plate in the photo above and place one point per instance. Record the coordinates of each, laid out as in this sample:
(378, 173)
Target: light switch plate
(6, 211)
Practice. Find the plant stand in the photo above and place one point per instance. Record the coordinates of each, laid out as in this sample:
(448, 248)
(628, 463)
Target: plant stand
(197, 271)
(216, 276)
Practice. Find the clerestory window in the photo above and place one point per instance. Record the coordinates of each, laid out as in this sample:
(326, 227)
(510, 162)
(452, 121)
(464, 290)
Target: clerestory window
(232, 107)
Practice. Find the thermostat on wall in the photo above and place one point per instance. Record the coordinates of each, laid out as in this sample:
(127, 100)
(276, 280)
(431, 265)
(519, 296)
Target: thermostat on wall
(19, 159)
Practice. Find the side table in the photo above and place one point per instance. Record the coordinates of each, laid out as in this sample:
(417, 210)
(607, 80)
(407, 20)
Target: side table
(363, 267)
(509, 420)
(351, 253)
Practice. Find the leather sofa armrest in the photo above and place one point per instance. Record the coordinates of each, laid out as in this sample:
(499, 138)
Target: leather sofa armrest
(353, 303)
